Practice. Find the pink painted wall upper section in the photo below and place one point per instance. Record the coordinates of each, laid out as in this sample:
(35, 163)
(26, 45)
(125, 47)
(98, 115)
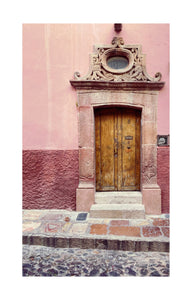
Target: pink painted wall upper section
(51, 55)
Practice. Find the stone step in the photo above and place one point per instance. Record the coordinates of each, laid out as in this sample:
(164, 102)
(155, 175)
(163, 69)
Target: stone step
(118, 197)
(118, 211)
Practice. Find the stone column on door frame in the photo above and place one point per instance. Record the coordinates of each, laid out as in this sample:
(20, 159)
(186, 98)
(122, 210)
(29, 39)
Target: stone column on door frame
(151, 192)
(85, 193)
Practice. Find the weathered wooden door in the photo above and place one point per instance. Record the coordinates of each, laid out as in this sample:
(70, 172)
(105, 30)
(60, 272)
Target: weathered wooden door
(117, 145)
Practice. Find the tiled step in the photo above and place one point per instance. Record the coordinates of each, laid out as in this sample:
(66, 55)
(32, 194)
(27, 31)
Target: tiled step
(118, 211)
(118, 197)
(72, 229)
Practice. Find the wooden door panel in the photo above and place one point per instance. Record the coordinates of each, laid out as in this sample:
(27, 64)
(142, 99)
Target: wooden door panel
(117, 143)
(127, 164)
(107, 151)
(104, 145)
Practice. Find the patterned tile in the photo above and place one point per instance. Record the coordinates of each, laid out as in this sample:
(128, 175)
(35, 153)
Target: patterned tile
(50, 227)
(30, 226)
(78, 228)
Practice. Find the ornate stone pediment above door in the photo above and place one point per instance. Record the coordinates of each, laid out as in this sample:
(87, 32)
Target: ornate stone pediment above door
(120, 66)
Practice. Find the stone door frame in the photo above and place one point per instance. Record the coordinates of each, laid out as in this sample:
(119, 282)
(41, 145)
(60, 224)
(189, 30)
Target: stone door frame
(146, 101)
(130, 87)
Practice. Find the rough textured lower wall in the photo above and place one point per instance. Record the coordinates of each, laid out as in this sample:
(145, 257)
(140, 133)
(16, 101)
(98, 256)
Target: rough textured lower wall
(50, 179)
(163, 176)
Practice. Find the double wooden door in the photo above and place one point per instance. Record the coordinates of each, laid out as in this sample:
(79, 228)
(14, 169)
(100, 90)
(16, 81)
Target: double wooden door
(117, 145)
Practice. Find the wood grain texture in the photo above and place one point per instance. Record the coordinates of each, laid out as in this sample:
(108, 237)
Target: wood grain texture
(117, 141)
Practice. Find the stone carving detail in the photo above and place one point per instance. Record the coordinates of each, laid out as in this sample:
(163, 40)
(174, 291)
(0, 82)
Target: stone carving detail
(134, 72)
(117, 41)
(149, 171)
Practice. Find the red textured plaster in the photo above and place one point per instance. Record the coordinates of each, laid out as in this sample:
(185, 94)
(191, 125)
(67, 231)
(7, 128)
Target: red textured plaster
(163, 176)
(50, 179)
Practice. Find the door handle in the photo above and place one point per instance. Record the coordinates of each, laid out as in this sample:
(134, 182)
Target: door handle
(115, 147)
(115, 151)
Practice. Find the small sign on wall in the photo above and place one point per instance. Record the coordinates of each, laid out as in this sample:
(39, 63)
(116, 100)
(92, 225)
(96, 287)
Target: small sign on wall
(163, 140)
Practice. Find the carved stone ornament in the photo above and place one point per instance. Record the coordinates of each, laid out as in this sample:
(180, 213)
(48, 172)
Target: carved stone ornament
(128, 66)
(149, 171)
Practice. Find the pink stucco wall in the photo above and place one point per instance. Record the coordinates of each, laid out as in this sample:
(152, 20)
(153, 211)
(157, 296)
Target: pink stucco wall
(51, 55)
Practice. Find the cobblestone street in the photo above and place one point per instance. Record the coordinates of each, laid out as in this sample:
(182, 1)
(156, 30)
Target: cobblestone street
(47, 261)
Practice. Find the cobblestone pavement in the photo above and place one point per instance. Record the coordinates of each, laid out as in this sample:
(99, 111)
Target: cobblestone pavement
(47, 261)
